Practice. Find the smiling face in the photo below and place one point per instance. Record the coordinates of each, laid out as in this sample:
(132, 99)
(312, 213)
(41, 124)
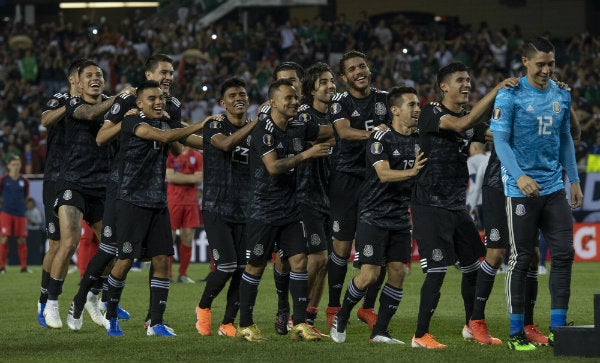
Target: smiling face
(152, 102)
(457, 87)
(324, 88)
(291, 75)
(285, 101)
(91, 81)
(540, 67)
(163, 74)
(356, 73)
(235, 101)
(408, 111)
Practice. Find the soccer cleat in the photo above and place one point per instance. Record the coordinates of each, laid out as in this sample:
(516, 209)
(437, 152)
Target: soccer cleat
(40, 315)
(26, 270)
(281, 321)
(122, 314)
(535, 336)
(160, 330)
(479, 333)
(331, 312)
(148, 322)
(250, 333)
(203, 321)
(52, 317)
(290, 323)
(227, 330)
(72, 322)
(368, 316)
(304, 332)
(542, 270)
(2, 271)
(385, 338)
(186, 280)
(427, 341)
(114, 330)
(91, 306)
(519, 342)
(338, 330)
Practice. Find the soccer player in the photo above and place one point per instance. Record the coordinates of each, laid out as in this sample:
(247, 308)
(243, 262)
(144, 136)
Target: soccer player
(533, 142)
(443, 228)
(142, 218)
(383, 233)
(82, 187)
(354, 114)
(184, 174)
(224, 202)
(14, 189)
(277, 146)
(52, 118)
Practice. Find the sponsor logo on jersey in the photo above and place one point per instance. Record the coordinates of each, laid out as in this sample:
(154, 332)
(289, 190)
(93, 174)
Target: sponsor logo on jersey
(355, 114)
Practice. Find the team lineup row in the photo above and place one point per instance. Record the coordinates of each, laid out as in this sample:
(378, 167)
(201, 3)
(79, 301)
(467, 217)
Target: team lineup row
(342, 167)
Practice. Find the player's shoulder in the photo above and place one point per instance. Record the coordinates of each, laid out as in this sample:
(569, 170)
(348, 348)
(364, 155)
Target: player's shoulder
(175, 101)
(378, 93)
(340, 96)
(380, 135)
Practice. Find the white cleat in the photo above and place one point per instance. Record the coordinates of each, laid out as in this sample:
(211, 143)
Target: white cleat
(73, 323)
(52, 316)
(91, 306)
(338, 331)
(385, 338)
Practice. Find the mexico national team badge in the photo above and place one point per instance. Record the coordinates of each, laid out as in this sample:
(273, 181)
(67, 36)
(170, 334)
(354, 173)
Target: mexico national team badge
(520, 210)
(376, 148)
(556, 107)
(297, 144)
(107, 232)
(335, 108)
(216, 255)
(380, 109)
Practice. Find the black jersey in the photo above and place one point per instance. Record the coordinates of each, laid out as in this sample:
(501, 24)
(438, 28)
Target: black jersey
(86, 164)
(55, 139)
(443, 180)
(273, 197)
(143, 164)
(493, 176)
(364, 114)
(385, 205)
(313, 174)
(226, 174)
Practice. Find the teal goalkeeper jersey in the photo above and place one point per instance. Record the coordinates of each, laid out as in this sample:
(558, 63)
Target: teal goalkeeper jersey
(534, 119)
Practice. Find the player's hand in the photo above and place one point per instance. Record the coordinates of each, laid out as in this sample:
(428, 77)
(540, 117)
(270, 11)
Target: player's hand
(560, 84)
(318, 150)
(576, 195)
(128, 89)
(489, 136)
(528, 186)
(420, 161)
(508, 83)
(132, 112)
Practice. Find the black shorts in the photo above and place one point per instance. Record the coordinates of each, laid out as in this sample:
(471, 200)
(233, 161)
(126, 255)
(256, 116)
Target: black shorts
(445, 236)
(343, 195)
(494, 217)
(109, 233)
(90, 204)
(378, 246)
(316, 229)
(49, 197)
(226, 240)
(263, 239)
(142, 232)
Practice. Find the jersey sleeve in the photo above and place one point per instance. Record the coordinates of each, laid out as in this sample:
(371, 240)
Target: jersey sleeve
(57, 101)
(121, 105)
(311, 131)
(72, 104)
(263, 140)
(212, 128)
(429, 119)
(337, 110)
(377, 148)
(503, 113)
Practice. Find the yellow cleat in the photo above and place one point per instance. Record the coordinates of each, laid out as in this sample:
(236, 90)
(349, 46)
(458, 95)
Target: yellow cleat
(305, 332)
(250, 333)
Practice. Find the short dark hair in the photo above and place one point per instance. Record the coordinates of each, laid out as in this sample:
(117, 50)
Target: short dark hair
(290, 66)
(394, 96)
(230, 83)
(450, 69)
(277, 84)
(84, 64)
(153, 61)
(349, 55)
(309, 79)
(535, 45)
(147, 84)
(74, 66)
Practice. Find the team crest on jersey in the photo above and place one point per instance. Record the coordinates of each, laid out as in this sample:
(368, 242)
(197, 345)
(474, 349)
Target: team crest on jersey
(336, 226)
(248, 139)
(297, 144)
(127, 247)
(215, 125)
(74, 101)
(304, 117)
(259, 250)
(52, 103)
(376, 148)
(115, 108)
(368, 251)
(556, 107)
(494, 235)
(437, 255)
(216, 255)
(107, 232)
(335, 108)
(436, 110)
(315, 240)
(380, 109)
(497, 113)
(68, 194)
(51, 227)
(268, 140)
(520, 210)
(469, 133)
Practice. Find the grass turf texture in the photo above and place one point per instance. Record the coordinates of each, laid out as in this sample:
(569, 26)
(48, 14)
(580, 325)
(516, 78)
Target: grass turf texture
(23, 340)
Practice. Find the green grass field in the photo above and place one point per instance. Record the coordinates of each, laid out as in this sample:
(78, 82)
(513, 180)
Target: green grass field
(23, 340)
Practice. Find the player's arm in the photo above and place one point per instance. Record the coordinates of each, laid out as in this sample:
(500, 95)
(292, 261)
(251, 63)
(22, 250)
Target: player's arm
(568, 161)
(279, 166)
(478, 112)
(347, 132)
(181, 178)
(93, 112)
(196, 141)
(325, 133)
(527, 185)
(51, 117)
(228, 143)
(107, 132)
(147, 132)
(389, 175)
(575, 127)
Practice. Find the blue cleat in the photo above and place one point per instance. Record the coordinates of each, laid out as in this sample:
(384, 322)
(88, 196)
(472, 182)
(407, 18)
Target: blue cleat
(160, 330)
(41, 318)
(114, 330)
(122, 314)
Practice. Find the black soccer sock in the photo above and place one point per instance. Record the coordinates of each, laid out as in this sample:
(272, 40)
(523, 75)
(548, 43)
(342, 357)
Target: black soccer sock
(92, 277)
(104, 290)
(248, 292)
(215, 283)
(337, 267)
(351, 298)
(311, 315)
(150, 274)
(299, 292)
(282, 286)
(115, 289)
(44, 286)
(531, 291)
(160, 294)
(54, 288)
(388, 304)
(485, 282)
(233, 297)
(467, 289)
(373, 290)
(430, 296)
